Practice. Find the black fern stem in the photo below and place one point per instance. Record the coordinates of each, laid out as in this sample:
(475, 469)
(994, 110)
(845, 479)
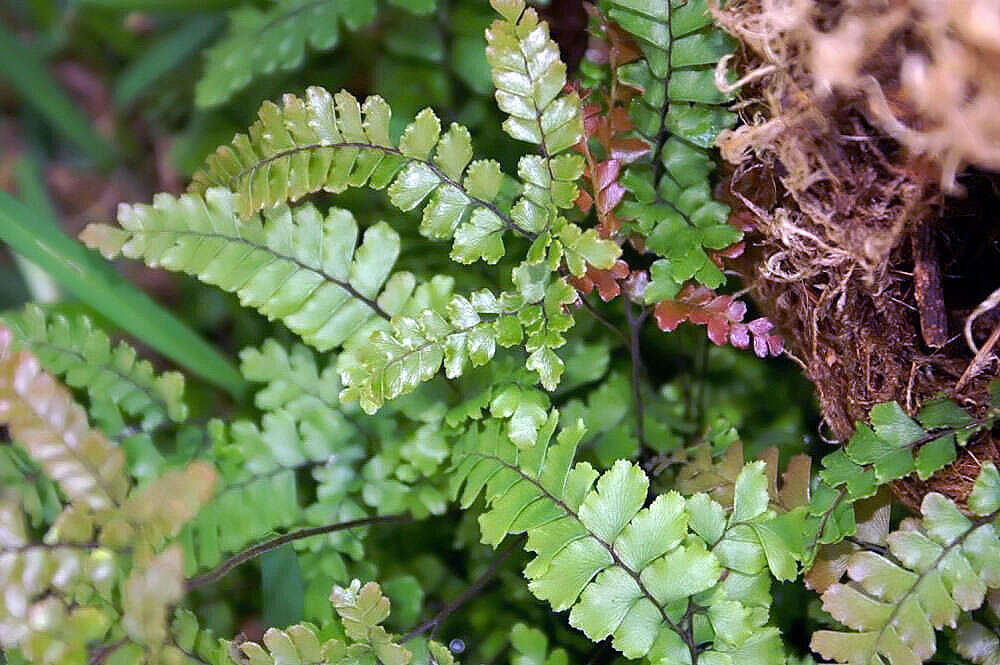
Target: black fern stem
(251, 553)
(635, 321)
(471, 592)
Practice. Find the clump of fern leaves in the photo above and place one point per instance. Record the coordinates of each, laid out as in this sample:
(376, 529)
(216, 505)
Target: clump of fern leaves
(464, 369)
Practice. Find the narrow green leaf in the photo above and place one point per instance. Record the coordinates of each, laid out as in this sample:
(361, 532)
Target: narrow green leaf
(90, 279)
(282, 587)
(164, 55)
(35, 85)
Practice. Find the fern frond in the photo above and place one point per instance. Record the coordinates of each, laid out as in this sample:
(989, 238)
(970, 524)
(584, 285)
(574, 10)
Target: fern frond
(329, 143)
(529, 77)
(295, 266)
(42, 416)
(361, 611)
(465, 331)
(118, 383)
(395, 363)
(613, 563)
(892, 447)
(679, 112)
(260, 493)
(275, 39)
(939, 566)
(67, 591)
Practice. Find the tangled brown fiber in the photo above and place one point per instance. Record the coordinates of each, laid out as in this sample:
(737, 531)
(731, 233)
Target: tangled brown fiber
(871, 245)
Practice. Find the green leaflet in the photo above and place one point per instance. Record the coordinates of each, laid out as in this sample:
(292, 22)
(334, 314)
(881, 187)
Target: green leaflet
(978, 642)
(386, 464)
(529, 79)
(275, 39)
(614, 563)
(188, 640)
(295, 266)
(941, 565)
(531, 647)
(329, 143)
(679, 112)
(303, 427)
(119, 384)
(892, 447)
(361, 610)
(258, 492)
(455, 332)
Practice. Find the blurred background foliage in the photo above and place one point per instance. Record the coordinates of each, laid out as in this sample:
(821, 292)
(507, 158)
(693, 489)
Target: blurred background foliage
(104, 101)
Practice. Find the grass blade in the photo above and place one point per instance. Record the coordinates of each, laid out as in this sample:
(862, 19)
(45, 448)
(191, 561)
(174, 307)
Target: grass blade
(32, 81)
(96, 283)
(164, 55)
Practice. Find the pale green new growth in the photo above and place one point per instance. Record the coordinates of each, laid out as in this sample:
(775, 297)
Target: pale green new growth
(529, 77)
(296, 266)
(329, 143)
(614, 563)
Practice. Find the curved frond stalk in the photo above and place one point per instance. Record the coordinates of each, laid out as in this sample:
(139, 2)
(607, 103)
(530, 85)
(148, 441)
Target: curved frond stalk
(296, 266)
(679, 112)
(937, 567)
(614, 563)
(275, 39)
(329, 143)
(42, 416)
(260, 491)
(119, 384)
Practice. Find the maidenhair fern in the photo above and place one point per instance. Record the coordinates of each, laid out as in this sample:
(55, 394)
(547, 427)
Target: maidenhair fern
(329, 143)
(935, 568)
(119, 384)
(679, 112)
(471, 355)
(105, 564)
(612, 562)
(329, 289)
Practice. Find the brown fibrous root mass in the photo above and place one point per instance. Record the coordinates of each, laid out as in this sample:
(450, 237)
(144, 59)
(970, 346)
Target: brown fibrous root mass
(867, 160)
